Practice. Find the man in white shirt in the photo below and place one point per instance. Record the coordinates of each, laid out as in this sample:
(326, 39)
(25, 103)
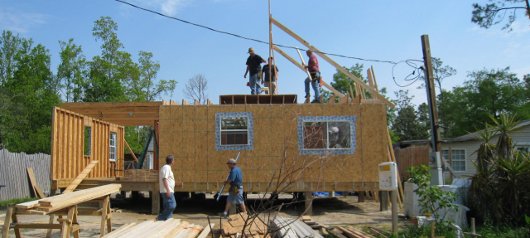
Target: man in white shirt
(167, 190)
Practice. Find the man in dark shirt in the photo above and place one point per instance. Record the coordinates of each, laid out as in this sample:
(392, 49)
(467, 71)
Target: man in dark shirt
(314, 71)
(254, 68)
(273, 75)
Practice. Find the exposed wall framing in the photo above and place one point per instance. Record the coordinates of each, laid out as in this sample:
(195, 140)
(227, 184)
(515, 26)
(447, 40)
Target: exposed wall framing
(68, 147)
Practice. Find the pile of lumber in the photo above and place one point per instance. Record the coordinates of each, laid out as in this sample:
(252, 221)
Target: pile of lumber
(140, 175)
(59, 202)
(171, 228)
(293, 228)
(241, 225)
(349, 232)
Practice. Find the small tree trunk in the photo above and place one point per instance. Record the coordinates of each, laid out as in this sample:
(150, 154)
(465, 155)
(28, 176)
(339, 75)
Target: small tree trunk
(433, 229)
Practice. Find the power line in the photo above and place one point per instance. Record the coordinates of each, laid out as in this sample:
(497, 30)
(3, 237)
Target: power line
(249, 38)
(411, 78)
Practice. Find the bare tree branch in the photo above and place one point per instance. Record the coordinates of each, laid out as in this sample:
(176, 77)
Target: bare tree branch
(196, 87)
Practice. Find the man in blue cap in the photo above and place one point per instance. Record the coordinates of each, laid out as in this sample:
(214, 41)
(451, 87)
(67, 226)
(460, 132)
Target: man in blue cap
(235, 193)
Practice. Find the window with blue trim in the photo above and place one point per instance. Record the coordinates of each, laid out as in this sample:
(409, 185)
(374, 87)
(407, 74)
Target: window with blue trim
(234, 131)
(326, 134)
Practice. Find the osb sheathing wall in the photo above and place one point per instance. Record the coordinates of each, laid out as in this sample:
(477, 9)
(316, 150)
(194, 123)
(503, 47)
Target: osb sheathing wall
(188, 132)
(68, 159)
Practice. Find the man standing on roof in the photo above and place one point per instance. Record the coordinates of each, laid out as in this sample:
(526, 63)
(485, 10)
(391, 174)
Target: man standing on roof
(273, 76)
(167, 190)
(314, 71)
(235, 193)
(254, 62)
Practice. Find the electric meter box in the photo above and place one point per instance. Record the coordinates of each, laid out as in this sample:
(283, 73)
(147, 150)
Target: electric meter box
(388, 176)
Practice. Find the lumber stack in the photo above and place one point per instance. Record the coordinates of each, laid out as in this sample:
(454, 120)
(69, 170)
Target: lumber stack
(59, 202)
(241, 225)
(171, 228)
(350, 232)
(293, 228)
(145, 175)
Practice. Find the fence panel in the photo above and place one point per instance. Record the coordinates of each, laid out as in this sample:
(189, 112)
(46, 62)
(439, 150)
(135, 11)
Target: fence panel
(14, 177)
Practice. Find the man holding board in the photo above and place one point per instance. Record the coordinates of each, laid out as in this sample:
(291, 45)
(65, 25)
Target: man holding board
(235, 193)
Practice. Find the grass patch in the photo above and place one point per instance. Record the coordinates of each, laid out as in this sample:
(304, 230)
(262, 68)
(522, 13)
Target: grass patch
(5, 203)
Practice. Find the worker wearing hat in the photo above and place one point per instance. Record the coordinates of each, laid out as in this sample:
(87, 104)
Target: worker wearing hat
(254, 62)
(235, 193)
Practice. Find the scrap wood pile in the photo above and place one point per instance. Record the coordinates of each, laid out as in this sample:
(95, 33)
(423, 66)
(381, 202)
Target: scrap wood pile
(241, 225)
(59, 202)
(293, 228)
(140, 175)
(171, 228)
(349, 232)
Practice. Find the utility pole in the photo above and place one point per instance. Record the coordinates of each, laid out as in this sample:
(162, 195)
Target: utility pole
(437, 176)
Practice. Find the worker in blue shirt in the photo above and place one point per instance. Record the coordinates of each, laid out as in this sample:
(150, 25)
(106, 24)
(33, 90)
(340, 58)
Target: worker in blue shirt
(235, 193)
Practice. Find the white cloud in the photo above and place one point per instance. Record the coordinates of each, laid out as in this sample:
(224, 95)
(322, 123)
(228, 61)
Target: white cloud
(20, 22)
(168, 7)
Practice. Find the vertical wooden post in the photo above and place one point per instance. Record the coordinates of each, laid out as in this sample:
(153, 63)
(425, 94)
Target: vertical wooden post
(308, 199)
(431, 97)
(7, 222)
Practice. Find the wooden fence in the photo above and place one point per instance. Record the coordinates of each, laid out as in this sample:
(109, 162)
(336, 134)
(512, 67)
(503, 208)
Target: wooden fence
(14, 177)
(413, 155)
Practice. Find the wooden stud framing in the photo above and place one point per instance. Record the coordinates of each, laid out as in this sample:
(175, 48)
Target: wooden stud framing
(329, 60)
(68, 159)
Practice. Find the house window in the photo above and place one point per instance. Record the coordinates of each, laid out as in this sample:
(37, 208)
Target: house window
(457, 160)
(326, 135)
(112, 146)
(234, 131)
(88, 141)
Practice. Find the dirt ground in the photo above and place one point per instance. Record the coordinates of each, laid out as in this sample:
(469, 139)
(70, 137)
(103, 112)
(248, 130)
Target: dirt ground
(343, 210)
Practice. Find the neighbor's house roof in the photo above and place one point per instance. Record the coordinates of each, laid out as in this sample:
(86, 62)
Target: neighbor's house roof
(474, 136)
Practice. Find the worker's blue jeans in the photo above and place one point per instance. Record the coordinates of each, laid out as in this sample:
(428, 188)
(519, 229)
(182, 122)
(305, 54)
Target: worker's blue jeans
(168, 206)
(315, 84)
(253, 83)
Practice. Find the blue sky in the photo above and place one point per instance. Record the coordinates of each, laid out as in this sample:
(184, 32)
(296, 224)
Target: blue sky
(388, 30)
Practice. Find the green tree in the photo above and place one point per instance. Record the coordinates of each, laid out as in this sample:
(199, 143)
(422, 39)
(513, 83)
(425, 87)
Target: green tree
(499, 11)
(29, 92)
(343, 83)
(109, 71)
(72, 71)
(145, 87)
(488, 92)
(408, 124)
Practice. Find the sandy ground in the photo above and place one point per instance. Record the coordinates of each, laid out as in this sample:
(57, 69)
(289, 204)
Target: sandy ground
(328, 211)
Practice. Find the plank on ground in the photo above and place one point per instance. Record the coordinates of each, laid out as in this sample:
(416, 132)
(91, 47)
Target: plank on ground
(117, 232)
(206, 231)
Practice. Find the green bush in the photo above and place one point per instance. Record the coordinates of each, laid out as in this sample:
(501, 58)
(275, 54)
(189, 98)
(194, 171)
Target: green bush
(500, 190)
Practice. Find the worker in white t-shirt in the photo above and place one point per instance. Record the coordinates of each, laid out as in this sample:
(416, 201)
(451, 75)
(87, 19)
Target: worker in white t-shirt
(167, 190)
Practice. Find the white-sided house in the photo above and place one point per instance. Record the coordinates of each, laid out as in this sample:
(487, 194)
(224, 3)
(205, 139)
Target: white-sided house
(461, 152)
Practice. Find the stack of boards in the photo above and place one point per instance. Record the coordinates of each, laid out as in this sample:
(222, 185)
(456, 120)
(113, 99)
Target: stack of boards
(171, 228)
(59, 202)
(293, 228)
(351, 232)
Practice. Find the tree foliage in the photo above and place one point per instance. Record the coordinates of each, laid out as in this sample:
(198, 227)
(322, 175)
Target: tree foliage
(488, 92)
(410, 123)
(29, 90)
(499, 12)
